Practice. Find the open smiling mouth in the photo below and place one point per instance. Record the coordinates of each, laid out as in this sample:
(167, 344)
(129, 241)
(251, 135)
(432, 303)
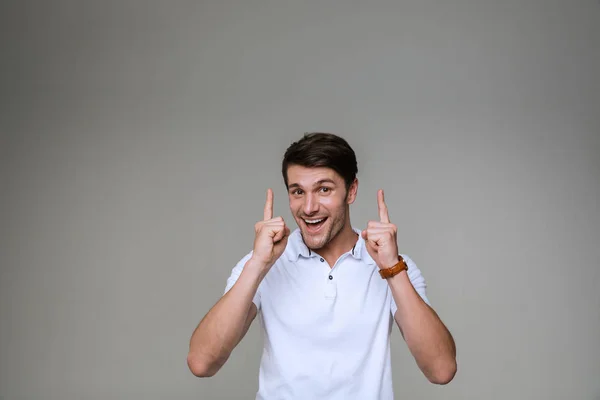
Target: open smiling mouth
(313, 225)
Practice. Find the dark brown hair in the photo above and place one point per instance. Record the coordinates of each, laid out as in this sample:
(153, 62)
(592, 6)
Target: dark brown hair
(318, 149)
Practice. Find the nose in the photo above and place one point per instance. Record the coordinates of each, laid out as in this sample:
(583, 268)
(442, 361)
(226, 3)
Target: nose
(311, 204)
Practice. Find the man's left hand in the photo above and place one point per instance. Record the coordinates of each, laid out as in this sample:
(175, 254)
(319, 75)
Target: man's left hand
(380, 237)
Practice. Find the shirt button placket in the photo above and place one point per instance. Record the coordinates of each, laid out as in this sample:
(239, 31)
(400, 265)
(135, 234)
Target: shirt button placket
(330, 286)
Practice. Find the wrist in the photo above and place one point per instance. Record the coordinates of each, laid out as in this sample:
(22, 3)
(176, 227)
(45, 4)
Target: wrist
(257, 266)
(394, 269)
(252, 275)
(388, 263)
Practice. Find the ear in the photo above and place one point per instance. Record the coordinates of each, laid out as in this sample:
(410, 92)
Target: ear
(352, 192)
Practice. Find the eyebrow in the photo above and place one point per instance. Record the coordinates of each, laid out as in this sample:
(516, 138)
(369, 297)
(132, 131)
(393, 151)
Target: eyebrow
(318, 183)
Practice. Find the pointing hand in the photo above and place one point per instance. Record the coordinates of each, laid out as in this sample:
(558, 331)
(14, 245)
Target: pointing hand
(381, 237)
(271, 235)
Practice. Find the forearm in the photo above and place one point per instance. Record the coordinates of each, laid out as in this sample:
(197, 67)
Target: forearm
(428, 339)
(224, 325)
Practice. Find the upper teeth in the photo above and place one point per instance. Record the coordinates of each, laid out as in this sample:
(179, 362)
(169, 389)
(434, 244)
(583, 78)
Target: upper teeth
(314, 221)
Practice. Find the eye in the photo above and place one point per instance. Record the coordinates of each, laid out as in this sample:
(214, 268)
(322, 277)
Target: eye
(325, 189)
(297, 192)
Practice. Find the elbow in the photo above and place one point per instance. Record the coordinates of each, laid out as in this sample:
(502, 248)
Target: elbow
(201, 367)
(443, 374)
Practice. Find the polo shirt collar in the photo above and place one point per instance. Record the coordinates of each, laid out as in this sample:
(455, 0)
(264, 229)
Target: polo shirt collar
(296, 248)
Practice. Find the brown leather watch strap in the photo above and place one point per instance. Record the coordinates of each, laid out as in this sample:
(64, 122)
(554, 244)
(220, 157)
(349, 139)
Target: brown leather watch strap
(395, 270)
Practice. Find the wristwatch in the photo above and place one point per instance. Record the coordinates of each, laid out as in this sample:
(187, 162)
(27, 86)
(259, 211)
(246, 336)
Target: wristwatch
(395, 270)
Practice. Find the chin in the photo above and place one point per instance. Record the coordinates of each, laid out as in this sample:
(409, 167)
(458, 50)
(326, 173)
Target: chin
(314, 242)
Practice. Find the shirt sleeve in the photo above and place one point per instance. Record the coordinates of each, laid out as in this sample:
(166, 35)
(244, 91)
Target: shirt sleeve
(417, 280)
(235, 274)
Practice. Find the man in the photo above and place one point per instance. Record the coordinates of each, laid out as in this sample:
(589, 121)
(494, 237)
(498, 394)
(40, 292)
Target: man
(327, 293)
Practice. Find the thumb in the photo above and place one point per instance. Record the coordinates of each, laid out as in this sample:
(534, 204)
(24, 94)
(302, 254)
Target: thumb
(279, 235)
(364, 234)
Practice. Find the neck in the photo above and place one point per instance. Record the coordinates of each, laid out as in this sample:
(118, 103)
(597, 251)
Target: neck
(343, 242)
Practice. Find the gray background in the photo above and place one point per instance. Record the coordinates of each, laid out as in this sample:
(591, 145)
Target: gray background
(139, 137)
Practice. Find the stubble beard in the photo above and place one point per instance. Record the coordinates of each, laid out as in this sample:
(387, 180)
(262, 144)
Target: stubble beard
(320, 241)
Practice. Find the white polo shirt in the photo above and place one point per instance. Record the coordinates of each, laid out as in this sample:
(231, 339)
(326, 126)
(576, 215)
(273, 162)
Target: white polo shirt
(326, 329)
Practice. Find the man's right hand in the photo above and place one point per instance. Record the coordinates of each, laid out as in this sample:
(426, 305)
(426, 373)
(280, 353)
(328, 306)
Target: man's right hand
(271, 236)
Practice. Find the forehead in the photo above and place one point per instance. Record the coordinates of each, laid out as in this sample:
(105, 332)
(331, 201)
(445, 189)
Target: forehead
(305, 176)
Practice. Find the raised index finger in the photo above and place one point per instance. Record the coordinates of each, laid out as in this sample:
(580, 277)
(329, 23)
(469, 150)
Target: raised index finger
(383, 211)
(268, 213)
